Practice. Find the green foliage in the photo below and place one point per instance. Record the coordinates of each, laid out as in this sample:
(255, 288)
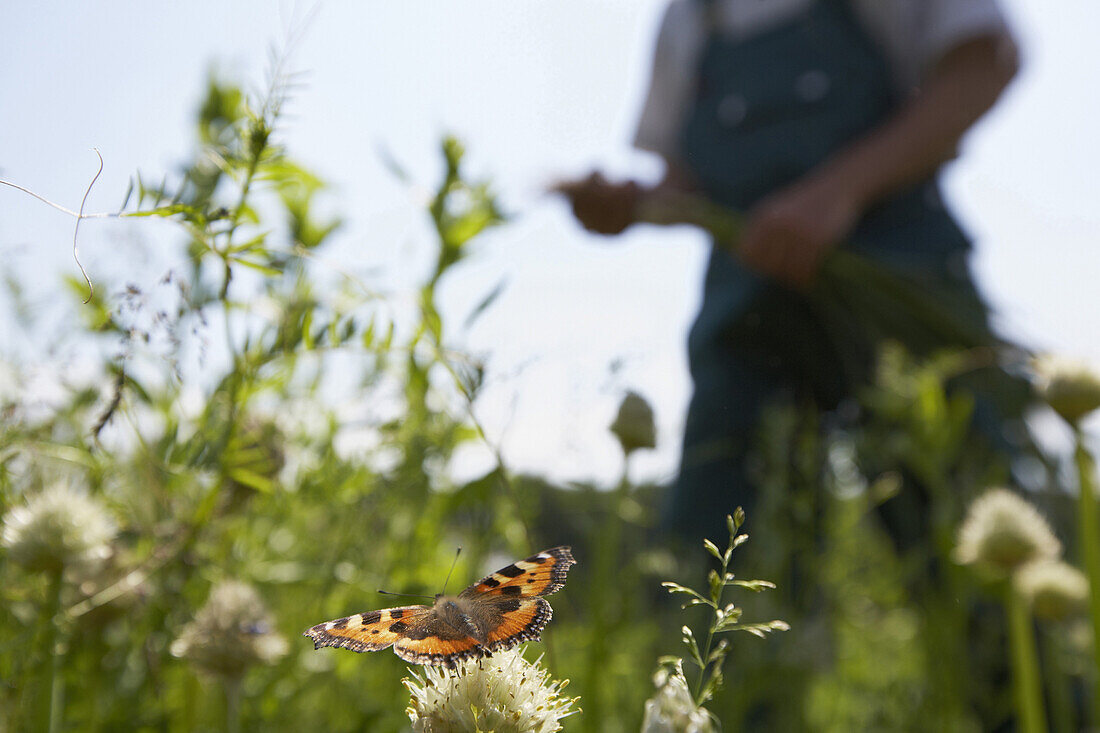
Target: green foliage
(215, 442)
(258, 422)
(725, 617)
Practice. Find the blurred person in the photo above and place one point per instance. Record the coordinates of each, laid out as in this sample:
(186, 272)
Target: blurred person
(826, 122)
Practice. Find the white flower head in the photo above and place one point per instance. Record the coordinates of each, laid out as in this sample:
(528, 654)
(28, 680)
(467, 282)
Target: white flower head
(230, 633)
(1055, 590)
(1071, 388)
(672, 709)
(1003, 531)
(59, 528)
(633, 425)
(503, 693)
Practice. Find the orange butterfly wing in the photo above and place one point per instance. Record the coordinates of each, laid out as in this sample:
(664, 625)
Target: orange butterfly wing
(539, 575)
(511, 596)
(368, 632)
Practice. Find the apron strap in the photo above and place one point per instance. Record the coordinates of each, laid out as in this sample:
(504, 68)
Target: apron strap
(712, 15)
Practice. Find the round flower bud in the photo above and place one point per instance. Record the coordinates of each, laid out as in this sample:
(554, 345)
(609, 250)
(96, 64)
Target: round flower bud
(230, 633)
(633, 425)
(1055, 590)
(57, 529)
(1003, 531)
(1071, 388)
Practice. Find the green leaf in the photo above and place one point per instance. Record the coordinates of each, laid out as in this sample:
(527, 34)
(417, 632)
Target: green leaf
(368, 335)
(693, 647)
(713, 684)
(307, 333)
(712, 549)
(258, 266)
(170, 210)
(719, 652)
(677, 588)
(714, 580)
(487, 301)
(256, 242)
(762, 630)
(251, 479)
(754, 585)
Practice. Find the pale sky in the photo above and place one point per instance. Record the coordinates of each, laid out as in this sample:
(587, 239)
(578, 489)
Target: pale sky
(538, 90)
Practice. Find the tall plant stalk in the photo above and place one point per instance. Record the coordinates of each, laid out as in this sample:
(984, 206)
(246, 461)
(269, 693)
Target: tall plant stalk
(1089, 528)
(1025, 665)
(53, 704)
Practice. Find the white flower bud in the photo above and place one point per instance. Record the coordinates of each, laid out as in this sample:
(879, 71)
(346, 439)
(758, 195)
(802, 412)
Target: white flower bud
(1071, 388)
(1003, 531)
(60, 528)
(230, 633)
(1055, 590)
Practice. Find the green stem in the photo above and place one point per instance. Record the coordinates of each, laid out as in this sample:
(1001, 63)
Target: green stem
(608, 552)
(705, 651)
(1058, 688)
(1025, 665)
(54, 684)
(1090, 549)
(233, 705)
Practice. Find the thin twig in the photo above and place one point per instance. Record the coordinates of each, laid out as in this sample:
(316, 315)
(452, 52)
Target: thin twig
(59, 207)
(79, 215)
(76, 228)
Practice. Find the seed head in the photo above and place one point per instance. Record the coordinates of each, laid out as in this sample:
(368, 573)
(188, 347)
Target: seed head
(60, 528)
(230, 633)
(1003, 531)
(1055, 590)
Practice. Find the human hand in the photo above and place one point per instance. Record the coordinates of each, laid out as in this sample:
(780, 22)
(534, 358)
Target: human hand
(788, 233)
(601, 206)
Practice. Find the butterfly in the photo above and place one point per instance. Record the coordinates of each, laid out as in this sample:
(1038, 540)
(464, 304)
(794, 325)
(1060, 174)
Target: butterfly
(495, 613)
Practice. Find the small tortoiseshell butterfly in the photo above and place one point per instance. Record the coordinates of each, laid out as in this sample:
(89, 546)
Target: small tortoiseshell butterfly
(494, 614)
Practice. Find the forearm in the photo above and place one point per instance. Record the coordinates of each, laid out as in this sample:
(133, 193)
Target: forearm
(925, 131)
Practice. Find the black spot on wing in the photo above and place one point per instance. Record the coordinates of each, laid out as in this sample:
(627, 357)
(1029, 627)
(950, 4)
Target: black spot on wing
(397, 613)
(340, 623)
(508, 605)
(511, 590)
(398, 627)
(512, 571)
(537, 559)
(490, 582)
(372, 618)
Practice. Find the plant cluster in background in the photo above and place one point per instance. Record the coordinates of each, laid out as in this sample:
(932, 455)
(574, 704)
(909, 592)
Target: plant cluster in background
(676, 707)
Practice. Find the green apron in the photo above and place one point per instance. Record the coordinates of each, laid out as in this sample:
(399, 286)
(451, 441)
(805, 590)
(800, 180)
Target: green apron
(767, 109)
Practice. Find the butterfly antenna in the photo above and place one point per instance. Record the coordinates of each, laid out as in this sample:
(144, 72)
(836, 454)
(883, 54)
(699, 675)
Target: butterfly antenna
(409, 595)
(453, 563)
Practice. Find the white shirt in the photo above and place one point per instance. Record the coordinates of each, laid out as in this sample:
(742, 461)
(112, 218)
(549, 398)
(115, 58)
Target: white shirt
(913, 35)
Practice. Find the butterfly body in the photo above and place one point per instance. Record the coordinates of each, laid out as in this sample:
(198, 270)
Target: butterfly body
(496, 613)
